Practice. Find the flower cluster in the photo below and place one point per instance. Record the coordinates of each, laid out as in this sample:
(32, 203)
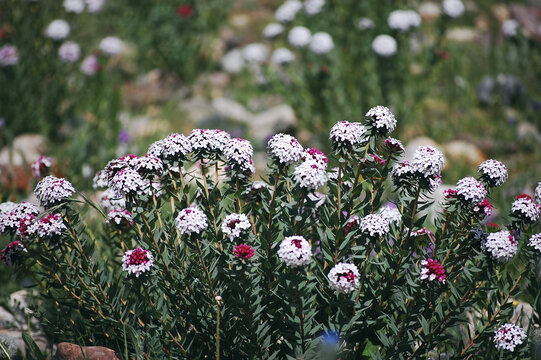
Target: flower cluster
(310, 175)
(501, 245)
(393, 145)
(344, 278)
(205, 142)
(234, 225)
(384, 45)
(120, 217)
(52, 190)
(345, 135)
(48, 226)
(137, 261)
(191, 220)
(493, 172)
(285, 149)
(41, 166)
(471, 190)
(453, 8)
(526, 209)
(11, 214)
(9, 55)
(299, 36)
(321, 43)
(428, 161)
(390, 213)
(69, 52)
(432, 270)
(352, 224)
(509, 336)
(484, 207)
(374, 225)
(58, 29)
(244, 251)
(11, 251)
(295, 251)
(109, 200)
(287, 11)
(403, 20)
(173, 147)
(381, 120)
(535, 242)
(239, 153)
(538, 193)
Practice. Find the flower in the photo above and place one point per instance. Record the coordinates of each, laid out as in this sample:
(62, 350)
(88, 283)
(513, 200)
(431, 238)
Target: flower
(384, 45)
(493, 172)
(510, 28)
(535, 242)
(24, 224)
(11, 214)
(48, 226)
(508, 336)
(90, 65)
(255, 53)
(40, 166)
(352, 224)
(149, 166)
(191, 220)
(185, 11)
(58, 29)
(432, 270)
(74, 6)
(127, 182)
(11, 252)
(525, 208)
(402, 173)
(501, 245)
(374, 225)
(313, 7)
(344, 277)
(285, 149)
(381, 120)
(390, 213)
(244, 251)
(111, 45)
(175, 147)
(299, 36)
(52, 190)
(310, 175)
(94, 6)
(8, 55)
(137, 261)
(485, 207)
(120, 217)
(321, 43)
(206, 142)
(272, 30)
(295, 251)
(239, 153)
(346, 135)
(316, 155)
(538, 193)
(287, 11)
(428, 161)
(234, 225)
(453, 8)
(282, 56)
(69, 52)
(393, 145)
(424, 234)
(110, 200)
(365, 24)
(471, 190)
(403, 20)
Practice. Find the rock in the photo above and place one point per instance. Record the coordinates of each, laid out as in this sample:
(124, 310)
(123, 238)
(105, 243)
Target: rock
(462, 34)
(429, 11)
(466, 151)
(7, 319)
(277, 119)
(521, 314)
(527, 131)
(213, 84)
(26, 149)
(10, 343)
(197, 109)
(529, 19)
(68, 351)
(231, 109)
(233, 61)
(153, 87)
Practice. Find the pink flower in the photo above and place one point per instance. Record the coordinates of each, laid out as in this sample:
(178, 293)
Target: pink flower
(185, 11)
(432, 270)
(244, 251)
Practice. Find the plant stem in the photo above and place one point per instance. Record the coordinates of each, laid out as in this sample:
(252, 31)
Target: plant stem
(209, 280)
(299, 310)
(339, 212)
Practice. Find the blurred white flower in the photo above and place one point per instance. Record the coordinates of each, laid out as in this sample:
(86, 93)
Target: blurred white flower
(94, 6)
(384, 45)
(69, 52)
(90, 65)
(510, 28)
(313, 7)
(287, 11)
(299, 36)
(111, 45)
(403, 20)
(8, 55)
(321, 43)
(74, 6)
(255, 53)
(282, 56)
(272, 30)
(365, 24)
(58, 29)
(429, 10)
(453, 8)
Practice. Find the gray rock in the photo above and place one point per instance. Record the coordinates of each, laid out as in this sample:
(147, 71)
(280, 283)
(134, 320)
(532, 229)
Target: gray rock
(528, 131)
(233, 61)
(466, 151)
(197, 109)
(27, 148)
(274, 120)
(7, 319)
(231, 109)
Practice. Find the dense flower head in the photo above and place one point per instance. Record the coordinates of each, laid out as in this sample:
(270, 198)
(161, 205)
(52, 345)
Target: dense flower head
(272, 30)
(90, 65)
(453, 8)
(244, 251)
(428, 161)
(493, 172)
(120, 217)
(390, 213)
(510, 28)
(110, 200)
(393, 145)
(365, 23)
(471, 190)
(7, 207)
(74, 6)
(52, 190)
(191, 220)
(137, 261)
(538, 193)
(525, 208)
(384, 45)
(381, 119)
(321, 43)
(344, 277)
(285, 149)
(255, 53)
(432, 270)
(173, 147)
(94, 6)
(316, 155)
(114, 166)
(501, 245)
(402, 173)
(24, 225)
(11, 214)
(287, 11)
(374, 225)
(299, 36)
(450, 193)
(208, 141)
(111, 45)
(58, 29)
(403, 20)
(509, 336)
(149, 166)
(282, 56)
(346, 134)
(11, 251)
(535, 242)
(352, 224)
(47, 226)
(234, 225)
(484, 207)
(41, 166)
(9, 55)
(313, 7)
(295, 251)
(128, 182)
(310, 175)
(69, 52)
(239, 153)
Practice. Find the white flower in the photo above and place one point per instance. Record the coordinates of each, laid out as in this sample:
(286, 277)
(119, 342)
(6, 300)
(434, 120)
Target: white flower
(525, 208)
(48, 226)
(508, 336)
(149, 166)
(128, 182)
(471, 190)
(190, 221)
(384, 45)
(453, 8)
(7, 207)
(174, 147)
(287, 11)
(538, 193)
(137, 261)
(111, 45)
(493, 172)
(501, 245)
(52, 190)
(74, 6)
(393, 145)
(69, 52)
(344, 277)
(8, 254)
(535, 242)
(321, 43)
(295, 251)
(346, 134)
(40, 166)
(391, 214)
(380, 117)
(272, 30)
(234, 225)
(58, 29)
(255, 53)
(282, 56)
(94, 6)
(310, 175)
(402, 171)
(374, 225)
(8, 55)
(365, 24)
(11, 214)
(239, 153)
(403, 20)
(90, 65)
(316, 155)
(285, 149)
(428, 161)
(299, 36)
(110, 200)
(429, 10)
(120, 217)
(313, 7)
(510, 27)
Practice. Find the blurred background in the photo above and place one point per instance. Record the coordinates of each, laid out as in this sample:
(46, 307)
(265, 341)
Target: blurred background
(84, 81)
